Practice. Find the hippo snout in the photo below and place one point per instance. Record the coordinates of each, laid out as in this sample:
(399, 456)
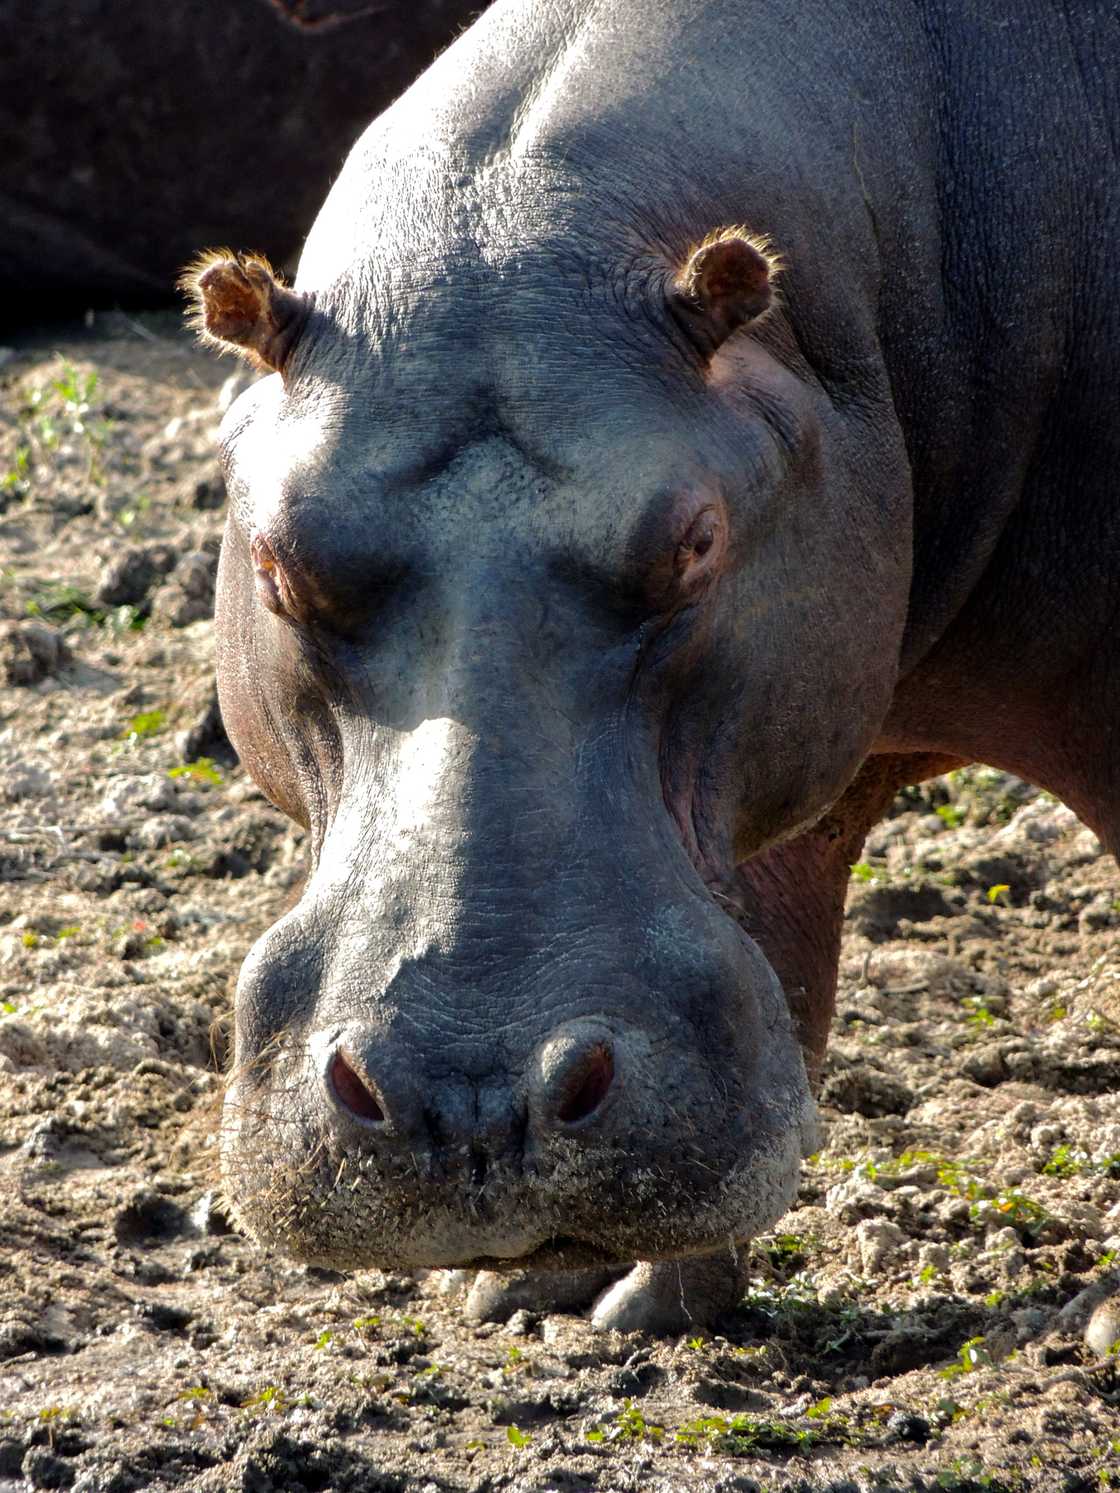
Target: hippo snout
(375, 1093)
(384, 1139)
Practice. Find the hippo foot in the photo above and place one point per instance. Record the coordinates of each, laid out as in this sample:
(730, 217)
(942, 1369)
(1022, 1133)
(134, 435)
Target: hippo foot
(495, 1298)
(670, 1297)
(666, 1297)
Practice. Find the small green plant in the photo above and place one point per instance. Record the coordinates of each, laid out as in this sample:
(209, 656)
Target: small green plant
(196, 1392)
(739, 1435)
(1108, 1463)
(971, 1355)
(324, 1340)
(60, 600)
(628, 1425)
(1000, 893)
(1012, 1205)
(964, 1474)
(365, 1324)
(16, 481)
(786, 1253)
(142, 727)
(63, 605)
(978, 1014)
(951, 815)
(1064, 1161)
(517, 1438)
(795, 1309)
(705, 1432)
(862, 871)
(132, 513)
(62, 409)
(124, 619)
(960, 1178)
(29, 938)
(271, 1398)
(201, 770)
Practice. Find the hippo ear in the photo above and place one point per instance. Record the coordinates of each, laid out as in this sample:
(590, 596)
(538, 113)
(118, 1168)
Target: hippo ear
(726, 283)
(238, 305)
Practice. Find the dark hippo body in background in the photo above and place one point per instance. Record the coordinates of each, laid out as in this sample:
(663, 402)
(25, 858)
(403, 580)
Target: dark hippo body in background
(589, 612)
(134, 131)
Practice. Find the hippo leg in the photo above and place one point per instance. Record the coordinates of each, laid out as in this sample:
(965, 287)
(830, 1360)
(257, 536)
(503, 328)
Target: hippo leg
(495, 1298)
(791, 901)
(662, 1296)
(792, 896)
(669, 1297)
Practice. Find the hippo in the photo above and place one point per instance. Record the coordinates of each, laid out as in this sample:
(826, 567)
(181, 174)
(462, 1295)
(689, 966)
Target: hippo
(127, 130)
(689, 424)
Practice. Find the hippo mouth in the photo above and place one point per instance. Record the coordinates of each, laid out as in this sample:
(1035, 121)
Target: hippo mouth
(616, 1139)
(349, 1211)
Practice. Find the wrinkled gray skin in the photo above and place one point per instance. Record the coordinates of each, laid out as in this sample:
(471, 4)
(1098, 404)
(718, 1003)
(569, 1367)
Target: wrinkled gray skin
(545, 805)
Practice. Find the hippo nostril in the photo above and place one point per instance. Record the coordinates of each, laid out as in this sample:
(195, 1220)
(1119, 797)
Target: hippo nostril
(352, 1092)
(586, 1085)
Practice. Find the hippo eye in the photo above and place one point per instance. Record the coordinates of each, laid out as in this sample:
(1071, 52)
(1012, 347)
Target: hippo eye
(274, 590)
(267, 590)
(702, 547)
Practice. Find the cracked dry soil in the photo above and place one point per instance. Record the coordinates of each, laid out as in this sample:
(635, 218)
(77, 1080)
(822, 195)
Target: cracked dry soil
(917, 1321)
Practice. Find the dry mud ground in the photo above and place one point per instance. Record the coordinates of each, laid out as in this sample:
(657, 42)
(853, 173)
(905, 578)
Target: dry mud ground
(917, 1322)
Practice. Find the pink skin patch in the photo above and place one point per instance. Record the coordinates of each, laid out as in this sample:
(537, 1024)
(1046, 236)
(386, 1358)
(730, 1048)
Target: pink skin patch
(352, 1092)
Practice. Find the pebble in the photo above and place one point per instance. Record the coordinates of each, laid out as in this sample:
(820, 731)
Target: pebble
(128, 576)
(30, 652)
(43, 1469)
(906, 1426)
(854, 1199)
(188, 596)
(208, 1217)
(160, 830)
(25, 780)
(125, 797)
(878, 1239)
(521, 1324)
(1102, 1331)
(553, 1331)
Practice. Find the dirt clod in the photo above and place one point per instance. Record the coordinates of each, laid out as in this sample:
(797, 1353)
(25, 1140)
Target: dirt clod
(29, 652)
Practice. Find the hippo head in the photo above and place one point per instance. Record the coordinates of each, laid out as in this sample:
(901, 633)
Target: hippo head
(544, 602)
